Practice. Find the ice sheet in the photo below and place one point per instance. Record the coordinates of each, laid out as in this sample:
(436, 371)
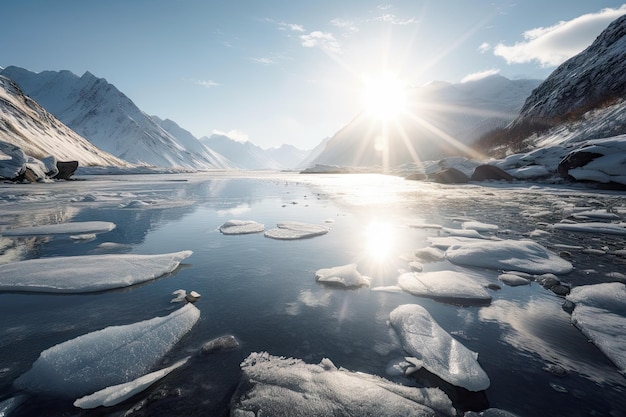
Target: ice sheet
(515, 255)
(107, 357)
(88, 273)
(274, 385)
(450, 286)
(600, 314)
(296, 230)
(345, 276)
(437, 351)
(71, 228)
(592, 227)
(115, 394)
(241, 227)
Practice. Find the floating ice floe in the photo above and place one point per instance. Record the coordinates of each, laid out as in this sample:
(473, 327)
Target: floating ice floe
(345, 276)
(113, 395)
(88, 273)
(71, 228)
(241, 227)
(107, 357)
(592, 227)
(515, 255)
(600, 314)
(273, 385)
(513, 280)
(480, 227)
(467, 233)
(435, 350)
(296, 230)
(596, 214)
(430, 254)
(447, 286)
(444, 242)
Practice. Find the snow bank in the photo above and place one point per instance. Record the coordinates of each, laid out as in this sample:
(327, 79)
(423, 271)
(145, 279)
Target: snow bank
(88, 273)
(107, 357)
(345, 276)
(241, 227)
(436, 350)
(71, 228)
(116, 394)
(296, 230)
(451, 286)
(600, 314)
(514, 255)
(273, 385)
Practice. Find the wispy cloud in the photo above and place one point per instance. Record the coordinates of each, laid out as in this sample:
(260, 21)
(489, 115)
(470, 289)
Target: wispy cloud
(395, 20)
(480, 75)
(234, 134)
(551, 46)
(207, 83)
(263, 61)
(324, 40)
(484, 47)
(290, 26)
(347, 26)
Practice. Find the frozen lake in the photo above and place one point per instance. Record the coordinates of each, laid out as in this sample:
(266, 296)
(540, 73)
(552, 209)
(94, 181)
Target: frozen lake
(264, 292)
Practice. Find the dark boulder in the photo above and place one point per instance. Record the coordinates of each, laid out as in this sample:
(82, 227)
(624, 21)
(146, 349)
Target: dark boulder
(450, 176)
(66, 169)
(490, 172)
(576, 159)
(416, 176)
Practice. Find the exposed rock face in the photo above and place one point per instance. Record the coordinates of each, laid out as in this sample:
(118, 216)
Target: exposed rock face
(450, 176)
(585, 81)
(490, 172)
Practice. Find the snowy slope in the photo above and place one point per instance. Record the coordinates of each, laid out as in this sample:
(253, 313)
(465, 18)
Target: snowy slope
(442, 120)
(107, 118)
(24, 123)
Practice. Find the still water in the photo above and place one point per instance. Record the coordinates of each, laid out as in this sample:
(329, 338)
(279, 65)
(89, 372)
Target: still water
(263, 291)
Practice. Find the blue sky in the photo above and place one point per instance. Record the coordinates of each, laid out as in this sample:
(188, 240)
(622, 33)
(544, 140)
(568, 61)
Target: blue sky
(276, 72)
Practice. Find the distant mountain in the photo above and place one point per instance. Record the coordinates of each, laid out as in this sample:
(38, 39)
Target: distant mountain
(442, 120)
(584, 98)
(191, 143)
(246, 155)
(24, 123)
(107, 118)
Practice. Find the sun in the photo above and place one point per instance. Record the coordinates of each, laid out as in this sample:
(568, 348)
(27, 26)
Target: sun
(384, 97)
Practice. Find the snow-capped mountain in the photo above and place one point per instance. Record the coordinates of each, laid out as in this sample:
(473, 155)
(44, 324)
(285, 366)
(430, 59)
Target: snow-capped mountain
(246, 155)
(24, 123)
(107, 118)
(191, 143)
(442, 119)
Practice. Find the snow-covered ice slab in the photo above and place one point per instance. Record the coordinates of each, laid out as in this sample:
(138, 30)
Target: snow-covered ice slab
(110, 396)
(71, 228)
(513, 255)
(600, 314)
(280, 386)
(448, 286)
(107, 357)
(88, 273)
(241, 227)
(296, 230)
(592, 227)
(437, 351)
(480, 226)
(345, 276)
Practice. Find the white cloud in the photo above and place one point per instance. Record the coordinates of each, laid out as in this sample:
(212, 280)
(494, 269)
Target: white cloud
(480, 75)
(234, 134)
(484, 47)
(324, 40)
(553, 45)
(263, 61)
(395, 20)
(347, 26)
(290, 26)
(207, 83)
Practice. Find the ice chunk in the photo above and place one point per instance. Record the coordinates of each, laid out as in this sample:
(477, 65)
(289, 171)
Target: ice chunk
(241, 227)
(517, 255)
(272, 385)
(430, 254)
(600, 314)
(450, 286)
(345, 276)
(468, 233)
(110, 396)
(296, 230)
(444, 242)
(389, 288)
(437, 351)
(71, 228)
(513, 280)
(480, 227)
(592, 227)
(88, 273)
(107, 357)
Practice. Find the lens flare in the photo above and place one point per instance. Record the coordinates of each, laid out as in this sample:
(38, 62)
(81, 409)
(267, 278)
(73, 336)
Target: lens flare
(379, 240)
